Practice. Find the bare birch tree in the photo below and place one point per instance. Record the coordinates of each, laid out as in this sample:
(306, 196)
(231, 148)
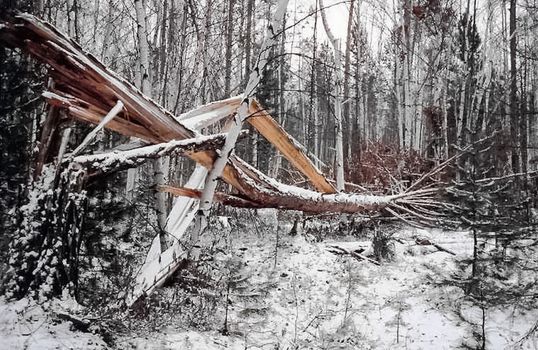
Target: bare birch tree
(339, 157)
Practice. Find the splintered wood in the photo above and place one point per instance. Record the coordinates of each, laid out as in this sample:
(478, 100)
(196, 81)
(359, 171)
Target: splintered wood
(87, 91)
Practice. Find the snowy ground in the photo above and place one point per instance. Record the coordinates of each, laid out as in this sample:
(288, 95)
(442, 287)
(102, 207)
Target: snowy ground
(25, 325)
(314, 299)
(310, 298)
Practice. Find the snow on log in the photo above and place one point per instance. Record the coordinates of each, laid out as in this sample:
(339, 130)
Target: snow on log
(88, 90)
(271, 193)
(120, 160)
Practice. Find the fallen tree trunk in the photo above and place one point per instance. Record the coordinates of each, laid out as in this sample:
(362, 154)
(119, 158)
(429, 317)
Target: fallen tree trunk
(88, 90)
(220, 197)
(121, 160)
(426, 241)
(293, 198)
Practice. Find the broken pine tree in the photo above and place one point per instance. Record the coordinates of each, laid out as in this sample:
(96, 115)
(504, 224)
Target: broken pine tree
(87, 91)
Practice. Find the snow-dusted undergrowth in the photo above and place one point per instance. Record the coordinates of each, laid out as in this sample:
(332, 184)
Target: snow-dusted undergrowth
(301, 296)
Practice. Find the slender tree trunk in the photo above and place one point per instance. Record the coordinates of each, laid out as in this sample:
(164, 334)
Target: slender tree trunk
(281, 102)
(182, 49)
(313, 106)
(248, 40)
(337, 102)
(514, 113)
(228, 52)
(347, 64)
(163, 48)
(107, 51)
(143, 47)
(358, 114)
(248, 63)
(523, 117)
(160, 166)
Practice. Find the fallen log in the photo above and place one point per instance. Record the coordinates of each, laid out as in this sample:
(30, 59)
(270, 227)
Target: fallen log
(426, 241)
(275, 194)
(220, 197)
(121, 160)
(88, 90)
(336, 249)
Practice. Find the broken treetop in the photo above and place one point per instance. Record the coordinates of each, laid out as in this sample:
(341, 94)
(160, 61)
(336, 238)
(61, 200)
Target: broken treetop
(87, 90)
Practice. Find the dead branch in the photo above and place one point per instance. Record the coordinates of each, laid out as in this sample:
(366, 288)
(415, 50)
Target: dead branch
(359, 256)
(425, 241)
(121, 160)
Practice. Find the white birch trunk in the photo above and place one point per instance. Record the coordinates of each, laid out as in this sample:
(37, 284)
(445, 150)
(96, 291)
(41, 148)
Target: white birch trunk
(145, 85)
(398, 92)
(337, 101)
(316, 130)
(143, 47)
(206, 199)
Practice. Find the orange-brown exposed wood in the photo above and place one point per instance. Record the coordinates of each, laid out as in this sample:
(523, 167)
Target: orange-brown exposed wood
(220, 197)
(88, 90)
(93, 90)
(288, 146)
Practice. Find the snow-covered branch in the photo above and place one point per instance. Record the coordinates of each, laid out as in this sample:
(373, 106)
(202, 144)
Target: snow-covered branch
(120, 160)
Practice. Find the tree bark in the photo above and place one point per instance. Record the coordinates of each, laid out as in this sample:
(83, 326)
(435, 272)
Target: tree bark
(160, 166)
(337, 102)
(347, 65)
(228, 51)
(514, 112)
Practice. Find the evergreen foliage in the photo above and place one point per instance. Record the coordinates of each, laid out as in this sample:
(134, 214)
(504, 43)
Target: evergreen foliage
(44, 251)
